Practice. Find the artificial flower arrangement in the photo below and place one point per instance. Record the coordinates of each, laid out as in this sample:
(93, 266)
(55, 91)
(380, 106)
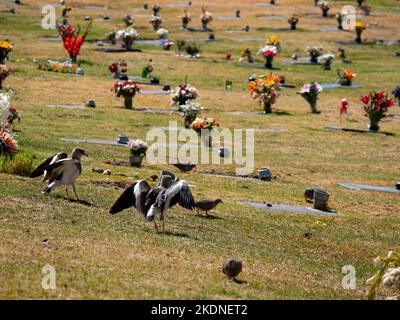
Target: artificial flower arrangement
(293, 20)
(155, 21)
(5, 71)
(113, 68)
(137, 149)
(127, 90)
(186, 18)
(274, 41)
(310, 92)
(13, 115)
(162, 33)
(360, 27)
(269, 52)
(388, 274)
(325, 7)
(266, 90)
(182, 94)
(5, 97)
(8, 145)
(61, 67)
(396, 94)
(72, 39)
(189, 112)
(326, 60)
(344, 105)
(345, 77)
(206, 18)
(314, 53)
(128, 20)
(376, 106)
(5, 48)
(203, 127)
(246, 54)
(127, 36)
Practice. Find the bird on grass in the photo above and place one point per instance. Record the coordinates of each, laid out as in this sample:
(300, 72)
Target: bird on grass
(150, 202)
(184, 167)
(232, 268)
(59, 170)
(206, 205)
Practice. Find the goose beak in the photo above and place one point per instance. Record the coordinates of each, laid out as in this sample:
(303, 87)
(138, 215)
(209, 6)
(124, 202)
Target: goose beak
(85, 154)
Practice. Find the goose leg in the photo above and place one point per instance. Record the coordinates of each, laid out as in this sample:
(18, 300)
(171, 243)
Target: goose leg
(155, 225)
(73, 188)
(66, 190)
(162, 223)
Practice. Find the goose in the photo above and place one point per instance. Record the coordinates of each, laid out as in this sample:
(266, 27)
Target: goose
(152, 201)
(184, 167)
(170, 191)
(61, 171)
(232, 268)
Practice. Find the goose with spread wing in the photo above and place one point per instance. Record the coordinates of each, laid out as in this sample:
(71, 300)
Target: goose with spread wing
(170, 191)
(152, 201)
(59, 170)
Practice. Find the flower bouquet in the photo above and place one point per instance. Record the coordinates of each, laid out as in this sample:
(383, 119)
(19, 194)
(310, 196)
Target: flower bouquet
(5, 71)
(113, 68)
(128, 20)
(325, 7)
(345, 77)
(5, 48)
(326, 60)
(8, 145)
(137, 150)
(13, 115)
(266, 90)
(155, 21)
(293, 20)
(274, 41)
(127, 89)
(360, 27)
(246, 53)
(156, 9)
(344, 104)
(162, 33)
(185, 20)
(396, 94)
(310, 92)
(72, 39)
(189, 112)
(314, 53)
(182, 94)
(269, 52)
(203, 127)
(205, 18)
(61, 67)
(376, 106)
(5, 97)
(388, 274)
(127, 36)
(112, 37)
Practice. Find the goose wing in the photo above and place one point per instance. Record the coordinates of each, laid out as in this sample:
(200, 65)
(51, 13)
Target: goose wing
(133, 196)
(180, 193)
(60, 168)
(40, 170)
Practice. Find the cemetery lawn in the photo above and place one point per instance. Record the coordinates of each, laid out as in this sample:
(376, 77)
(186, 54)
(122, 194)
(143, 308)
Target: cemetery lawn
(98, 255)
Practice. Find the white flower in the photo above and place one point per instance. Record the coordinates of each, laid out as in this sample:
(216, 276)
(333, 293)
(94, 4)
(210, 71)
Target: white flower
(325, 57)
(136, 145)
(127, 33)
(190, 108)
(162, 33)
(391, 278)
(268, 49)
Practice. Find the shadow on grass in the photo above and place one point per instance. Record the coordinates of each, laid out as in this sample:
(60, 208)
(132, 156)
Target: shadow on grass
(240, 282)
(83, 202)
(175, 234)
(210, 217)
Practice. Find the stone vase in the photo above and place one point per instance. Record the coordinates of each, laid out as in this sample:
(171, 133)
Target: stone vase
(345, 82)
(267, 105)
(135, 161)
(264, 174)
(268, 61)
(188, 119)
(373, 125)
(320, 201)
(128, 102)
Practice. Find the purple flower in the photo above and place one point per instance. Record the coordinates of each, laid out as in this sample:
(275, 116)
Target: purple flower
(396, 92)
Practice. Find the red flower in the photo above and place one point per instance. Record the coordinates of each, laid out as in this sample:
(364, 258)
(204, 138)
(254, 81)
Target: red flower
(365, 99)
(380, 95)
(387, 103)
(12, 110)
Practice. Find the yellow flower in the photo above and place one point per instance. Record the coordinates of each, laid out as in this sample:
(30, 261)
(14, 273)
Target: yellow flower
(5, 45)
(273, 40)
(360, 25)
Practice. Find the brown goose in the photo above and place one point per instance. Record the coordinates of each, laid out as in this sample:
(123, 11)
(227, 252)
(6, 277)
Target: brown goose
(207, 205)
(184, 167)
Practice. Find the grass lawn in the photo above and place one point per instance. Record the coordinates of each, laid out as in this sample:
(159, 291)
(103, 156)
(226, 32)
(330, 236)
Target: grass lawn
(102, 256)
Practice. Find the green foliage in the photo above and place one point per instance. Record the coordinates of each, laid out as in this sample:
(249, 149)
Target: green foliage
(20, 163)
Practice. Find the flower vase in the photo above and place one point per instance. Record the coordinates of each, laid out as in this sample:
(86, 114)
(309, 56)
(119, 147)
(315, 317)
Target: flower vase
(135, 161)
(185, 23)
(188, 119)
(314, 58)
(204, 25)
(267, 106)
(268, 61)
(128, 102)
(293, 25)
(373, 126)
(358, 38)
(345, 82)
(313, 106)
(113, 41)
(325, 12)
